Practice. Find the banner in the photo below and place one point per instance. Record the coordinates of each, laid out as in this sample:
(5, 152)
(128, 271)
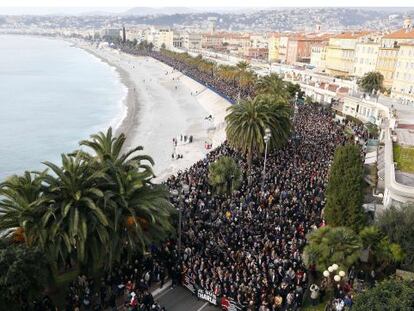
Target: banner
(226, 303)
(188, 283)
(207, 295)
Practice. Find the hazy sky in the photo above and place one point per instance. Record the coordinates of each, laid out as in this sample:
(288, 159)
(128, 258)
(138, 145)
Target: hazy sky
(78, 6)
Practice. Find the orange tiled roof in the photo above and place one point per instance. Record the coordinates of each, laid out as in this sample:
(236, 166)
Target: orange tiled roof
(400, 34)
(351, 35)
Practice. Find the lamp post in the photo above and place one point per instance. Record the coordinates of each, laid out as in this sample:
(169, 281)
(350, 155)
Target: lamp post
(266, 139)
(180, 195)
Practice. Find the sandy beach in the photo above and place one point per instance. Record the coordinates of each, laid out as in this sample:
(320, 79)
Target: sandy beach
(163, 105)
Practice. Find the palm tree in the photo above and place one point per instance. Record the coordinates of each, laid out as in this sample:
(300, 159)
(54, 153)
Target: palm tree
(329, 245)
(76, 222)
(242, 66)
(224, 175)
(138, 211)
(248, 120)
(22, 205)
(272, 84)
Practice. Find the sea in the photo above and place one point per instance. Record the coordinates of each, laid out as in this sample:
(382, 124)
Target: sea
(52, 95)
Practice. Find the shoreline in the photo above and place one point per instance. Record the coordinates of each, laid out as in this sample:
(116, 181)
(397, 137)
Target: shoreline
(163, 104)
(131, 103)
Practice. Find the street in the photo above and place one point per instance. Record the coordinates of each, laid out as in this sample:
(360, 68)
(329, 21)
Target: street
(181, 299)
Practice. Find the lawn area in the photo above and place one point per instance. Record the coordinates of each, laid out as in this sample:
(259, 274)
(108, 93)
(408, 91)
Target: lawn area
(404, 156)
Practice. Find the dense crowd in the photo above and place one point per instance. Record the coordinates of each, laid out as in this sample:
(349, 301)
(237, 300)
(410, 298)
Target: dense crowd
(127, 287)
(248, 246)
(223, 88)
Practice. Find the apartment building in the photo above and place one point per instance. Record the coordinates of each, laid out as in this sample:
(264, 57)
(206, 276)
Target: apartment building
(299, 48)
(389, 50)
(366, 56)
(273, 48)
(403, 84)
(283, 48)
(340, 53)
(318, 56)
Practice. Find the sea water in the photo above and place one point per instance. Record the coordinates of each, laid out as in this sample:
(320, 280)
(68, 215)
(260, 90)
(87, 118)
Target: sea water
(52, 95)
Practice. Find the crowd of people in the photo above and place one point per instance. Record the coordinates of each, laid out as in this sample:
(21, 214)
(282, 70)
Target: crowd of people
(220, 86)
(126, 287)
(248, 246)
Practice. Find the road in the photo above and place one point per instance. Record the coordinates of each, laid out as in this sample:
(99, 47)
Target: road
(181, 299)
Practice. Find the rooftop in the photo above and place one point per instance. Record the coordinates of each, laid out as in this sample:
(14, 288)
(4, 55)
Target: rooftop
(401, 34)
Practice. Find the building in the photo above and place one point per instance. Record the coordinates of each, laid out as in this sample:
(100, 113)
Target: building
(111, 33)
(283, 48)
(366, 57)
(178, 40)
(192, 41)
(403, 84)
(165, 38)
(340, 53)
(387, 59)
(211, 24)
(273, 48)
(299, 48)
(256, 53)
(318, 56)
(389, 50)
(213, 41)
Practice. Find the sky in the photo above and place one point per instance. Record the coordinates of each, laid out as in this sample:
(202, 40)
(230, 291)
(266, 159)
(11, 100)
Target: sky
(79, 6)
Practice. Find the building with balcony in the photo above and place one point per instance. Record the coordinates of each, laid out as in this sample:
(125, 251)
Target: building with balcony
(403, 84)
(340, 53)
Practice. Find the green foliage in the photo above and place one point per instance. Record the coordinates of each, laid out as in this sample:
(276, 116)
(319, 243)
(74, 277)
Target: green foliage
(91, 208)
(294, 88)
(328, 245)
(398, 225)
(404, 156)
(273, 85)
(382, 251)
(224, 175)
(248, 120)
(373, 130)
(24, 272)
(372, 81)
(344, 192)
(240, 75)
(390, 295)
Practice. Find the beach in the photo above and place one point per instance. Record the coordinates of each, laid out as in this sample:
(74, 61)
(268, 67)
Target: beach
(163, 104)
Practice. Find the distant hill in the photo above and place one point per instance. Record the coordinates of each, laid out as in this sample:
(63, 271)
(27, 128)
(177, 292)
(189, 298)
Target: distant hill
(143, 11)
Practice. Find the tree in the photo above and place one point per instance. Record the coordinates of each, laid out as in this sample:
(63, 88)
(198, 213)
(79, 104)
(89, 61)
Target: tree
(272, 84)
(247, 121)
(22, 204)
(24, 273)
(224, 175)
(328, 245)
(381, 251)
(138, 211)
(293, 89)
(398, 225)
(344, 192)
(371, 81)
(76, 221)
(390, 295)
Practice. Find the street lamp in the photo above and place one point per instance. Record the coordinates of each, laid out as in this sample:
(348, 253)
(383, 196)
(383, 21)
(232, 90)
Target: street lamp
(180, 195)
(266, 138)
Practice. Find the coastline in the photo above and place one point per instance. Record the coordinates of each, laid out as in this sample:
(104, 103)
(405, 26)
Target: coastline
(163, 104)
(130, 101)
